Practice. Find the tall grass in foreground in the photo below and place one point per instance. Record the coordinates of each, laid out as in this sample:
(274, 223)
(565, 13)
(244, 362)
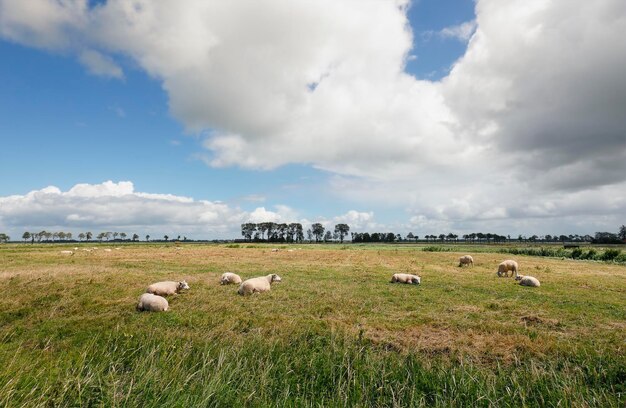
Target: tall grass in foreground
(310, 369)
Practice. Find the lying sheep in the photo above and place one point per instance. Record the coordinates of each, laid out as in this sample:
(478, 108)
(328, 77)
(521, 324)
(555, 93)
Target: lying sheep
(506, 266)
(167, 288)
(229, 277)
(528, 281)
(466, 260)
(405, 278)
(152, 303)
(258, 285)
(67, 252)
(107, 249)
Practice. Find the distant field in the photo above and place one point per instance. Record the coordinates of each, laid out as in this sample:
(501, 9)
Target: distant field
(335, 332)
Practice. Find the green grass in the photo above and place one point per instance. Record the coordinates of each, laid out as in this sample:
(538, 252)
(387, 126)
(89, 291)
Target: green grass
(334, 333)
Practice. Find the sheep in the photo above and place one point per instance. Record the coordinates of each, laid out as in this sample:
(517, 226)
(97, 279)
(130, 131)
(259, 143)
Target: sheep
(167, 288)
(229, 277)
(258, 285)
(152, 303)
(107, 249)
(405, 278)
(466, 260)
(506, 266)
(67, 252)
(528, 281)
(274, 249)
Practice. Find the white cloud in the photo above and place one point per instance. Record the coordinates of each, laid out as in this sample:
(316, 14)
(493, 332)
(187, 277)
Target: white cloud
(101, 65)
(116, 206)
(462, 32)
(113, 205)
(531, 112)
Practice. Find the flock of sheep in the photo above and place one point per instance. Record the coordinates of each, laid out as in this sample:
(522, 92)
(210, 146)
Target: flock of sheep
(154, 299)
(503, 271)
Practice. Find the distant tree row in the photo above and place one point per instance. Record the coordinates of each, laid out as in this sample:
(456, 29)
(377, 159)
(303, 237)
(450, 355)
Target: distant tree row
(293, 232)
(47, 236)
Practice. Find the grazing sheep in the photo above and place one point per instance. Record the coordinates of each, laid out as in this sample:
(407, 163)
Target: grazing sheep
(466, 260)
(257, 285)
(506, 266)
(67, 252)
(152, 303)
(229, 277)
(167, 288)
(405, 278)
(274, 249)
(528, 281)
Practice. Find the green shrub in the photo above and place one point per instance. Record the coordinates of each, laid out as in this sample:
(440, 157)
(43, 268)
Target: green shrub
(610, 254)
(577, 253)
(591, 254)
(433, 248)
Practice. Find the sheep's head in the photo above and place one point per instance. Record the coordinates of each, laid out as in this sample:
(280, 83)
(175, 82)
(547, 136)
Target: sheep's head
(183, 285)
(519, 277)
(416, 280)
(276, 278)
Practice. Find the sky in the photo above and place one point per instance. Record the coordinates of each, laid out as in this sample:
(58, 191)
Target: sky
(432, 116)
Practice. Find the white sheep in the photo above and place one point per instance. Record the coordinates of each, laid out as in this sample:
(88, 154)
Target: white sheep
(258, 285)
(528, 281)
(152, 303)
(466, 260)
(405, 278)
(229, 277)
(167, 288)
(67, 252)
(506, 266)
(107, 249)
(274, 249)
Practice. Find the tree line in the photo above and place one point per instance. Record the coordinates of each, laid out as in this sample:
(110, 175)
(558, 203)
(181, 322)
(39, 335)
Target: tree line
(48, 236)
(292, 232)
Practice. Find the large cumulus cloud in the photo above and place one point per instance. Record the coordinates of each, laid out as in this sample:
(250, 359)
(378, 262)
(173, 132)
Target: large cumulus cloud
(533, 108)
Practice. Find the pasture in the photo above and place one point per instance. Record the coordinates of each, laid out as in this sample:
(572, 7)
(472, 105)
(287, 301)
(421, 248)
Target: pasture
(335, 332)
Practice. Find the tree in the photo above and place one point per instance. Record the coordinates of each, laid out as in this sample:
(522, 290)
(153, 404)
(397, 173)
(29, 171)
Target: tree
(115, 234)
(328, 236)
(247, 230)
(318, 231)
(309, 235)
(147, 238)
(26, 236)
(622, 233)
(123, 235)
(410, 236)
(135, 237)
(299, 233)
(81, 236)
(100, 236)
(166, 237)
(88, 235)
(4, 237)
(342, 230)
(107, 235)
(68, 236)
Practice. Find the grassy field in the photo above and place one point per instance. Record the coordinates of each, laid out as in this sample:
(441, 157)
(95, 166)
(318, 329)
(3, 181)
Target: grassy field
(333, 333)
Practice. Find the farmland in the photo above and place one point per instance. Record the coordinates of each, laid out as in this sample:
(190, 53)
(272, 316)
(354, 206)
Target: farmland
(335, 332)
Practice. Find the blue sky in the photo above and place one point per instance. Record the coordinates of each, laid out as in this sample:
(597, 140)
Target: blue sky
(62, 125)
